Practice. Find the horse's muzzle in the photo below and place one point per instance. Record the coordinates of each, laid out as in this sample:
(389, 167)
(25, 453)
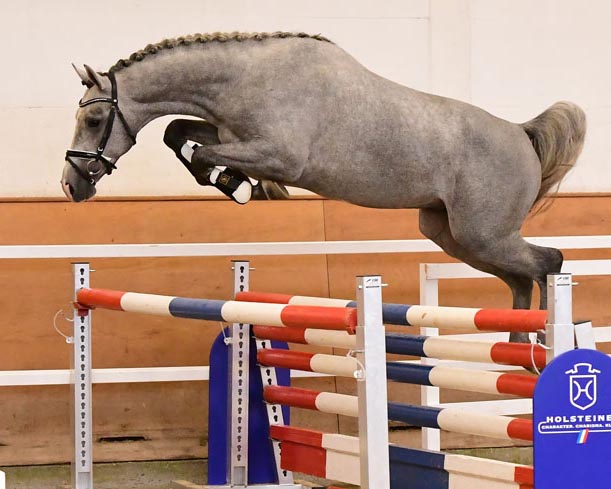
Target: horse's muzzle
(74, 187)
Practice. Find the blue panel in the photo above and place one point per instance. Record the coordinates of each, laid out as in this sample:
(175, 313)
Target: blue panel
(352, 304)
(572, 419)
(417, 469)
(217, 412)
(414, 415)
(262, 465)
(395, 314)
(405, 344)
(196, 309)
(424, 458)
(408, 373)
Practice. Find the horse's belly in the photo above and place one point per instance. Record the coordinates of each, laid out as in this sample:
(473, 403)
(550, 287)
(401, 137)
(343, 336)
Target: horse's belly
(373, 188)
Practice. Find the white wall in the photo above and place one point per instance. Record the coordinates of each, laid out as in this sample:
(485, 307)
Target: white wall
(527, 54)
(513, 58)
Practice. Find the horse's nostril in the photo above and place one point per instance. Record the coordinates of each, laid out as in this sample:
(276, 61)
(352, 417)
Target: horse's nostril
(71, 189)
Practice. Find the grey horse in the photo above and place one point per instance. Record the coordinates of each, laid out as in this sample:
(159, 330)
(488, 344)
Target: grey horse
(293, 109)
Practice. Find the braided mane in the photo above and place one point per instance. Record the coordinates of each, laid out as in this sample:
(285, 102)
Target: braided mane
(206, 38)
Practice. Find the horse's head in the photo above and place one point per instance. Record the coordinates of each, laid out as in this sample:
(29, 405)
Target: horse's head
(101, 136)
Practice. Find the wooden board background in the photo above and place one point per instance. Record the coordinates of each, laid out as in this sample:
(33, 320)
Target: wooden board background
(169, 420)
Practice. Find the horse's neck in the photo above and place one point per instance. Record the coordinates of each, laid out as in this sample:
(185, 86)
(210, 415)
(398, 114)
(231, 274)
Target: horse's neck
(182, 81)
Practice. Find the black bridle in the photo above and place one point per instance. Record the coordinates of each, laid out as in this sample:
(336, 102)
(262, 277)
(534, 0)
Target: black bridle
(108, 165)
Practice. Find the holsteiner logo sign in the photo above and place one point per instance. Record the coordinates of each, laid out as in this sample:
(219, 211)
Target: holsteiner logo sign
(572, 422)
(583, 385)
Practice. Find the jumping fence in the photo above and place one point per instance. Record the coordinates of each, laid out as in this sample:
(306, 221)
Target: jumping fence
(301, 448)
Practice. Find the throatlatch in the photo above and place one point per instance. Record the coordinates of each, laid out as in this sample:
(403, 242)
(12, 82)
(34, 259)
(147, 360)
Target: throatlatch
(233, 183)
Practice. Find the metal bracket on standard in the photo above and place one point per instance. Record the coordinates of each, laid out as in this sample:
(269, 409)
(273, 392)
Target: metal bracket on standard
(559, 330)
(274, 411)
(584, 335)
(239, 375)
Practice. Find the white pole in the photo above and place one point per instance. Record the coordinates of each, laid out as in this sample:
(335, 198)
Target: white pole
(372, 389)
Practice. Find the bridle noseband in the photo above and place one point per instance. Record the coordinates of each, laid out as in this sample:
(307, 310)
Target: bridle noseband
(109, 166)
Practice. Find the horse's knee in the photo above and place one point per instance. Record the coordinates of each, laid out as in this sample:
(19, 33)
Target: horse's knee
(174, 134)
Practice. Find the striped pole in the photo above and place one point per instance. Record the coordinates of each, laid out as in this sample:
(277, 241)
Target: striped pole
(334, 318)
(502, 353)
(511, 320)
(456, 420)
(306, 336)
(438, 376)
(336, 457)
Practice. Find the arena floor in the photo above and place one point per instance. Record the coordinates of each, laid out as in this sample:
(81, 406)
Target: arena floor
(159, 475)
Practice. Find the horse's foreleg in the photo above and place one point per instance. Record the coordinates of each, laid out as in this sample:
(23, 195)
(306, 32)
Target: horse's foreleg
(180, 131)
(180, 136)
(257, 158)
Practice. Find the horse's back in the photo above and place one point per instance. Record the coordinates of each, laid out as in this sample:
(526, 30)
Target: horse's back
(374, 142)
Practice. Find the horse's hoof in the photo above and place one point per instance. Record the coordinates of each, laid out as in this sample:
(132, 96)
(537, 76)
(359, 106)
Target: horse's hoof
(267, 190)
(233, 183)
(525, 338)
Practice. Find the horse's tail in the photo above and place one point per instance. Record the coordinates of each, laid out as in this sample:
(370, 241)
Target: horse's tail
(557, 136)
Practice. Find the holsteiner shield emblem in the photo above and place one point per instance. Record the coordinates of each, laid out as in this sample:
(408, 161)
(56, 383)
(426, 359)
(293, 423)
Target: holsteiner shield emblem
(583, 385)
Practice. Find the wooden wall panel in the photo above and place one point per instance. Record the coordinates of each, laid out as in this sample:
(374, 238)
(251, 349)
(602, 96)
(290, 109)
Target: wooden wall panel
(172, 418)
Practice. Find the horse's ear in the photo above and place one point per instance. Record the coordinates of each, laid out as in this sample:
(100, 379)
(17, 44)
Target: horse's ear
(85, 80)
(94, 77)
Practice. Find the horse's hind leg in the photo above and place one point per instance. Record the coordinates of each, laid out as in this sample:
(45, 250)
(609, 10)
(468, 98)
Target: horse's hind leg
(489, 240)
(537, 261)
(434, 224)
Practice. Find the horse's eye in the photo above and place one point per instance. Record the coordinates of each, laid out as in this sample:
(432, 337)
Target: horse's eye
(92, 122)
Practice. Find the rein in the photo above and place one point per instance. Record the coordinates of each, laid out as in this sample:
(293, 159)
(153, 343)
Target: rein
(98, 155)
